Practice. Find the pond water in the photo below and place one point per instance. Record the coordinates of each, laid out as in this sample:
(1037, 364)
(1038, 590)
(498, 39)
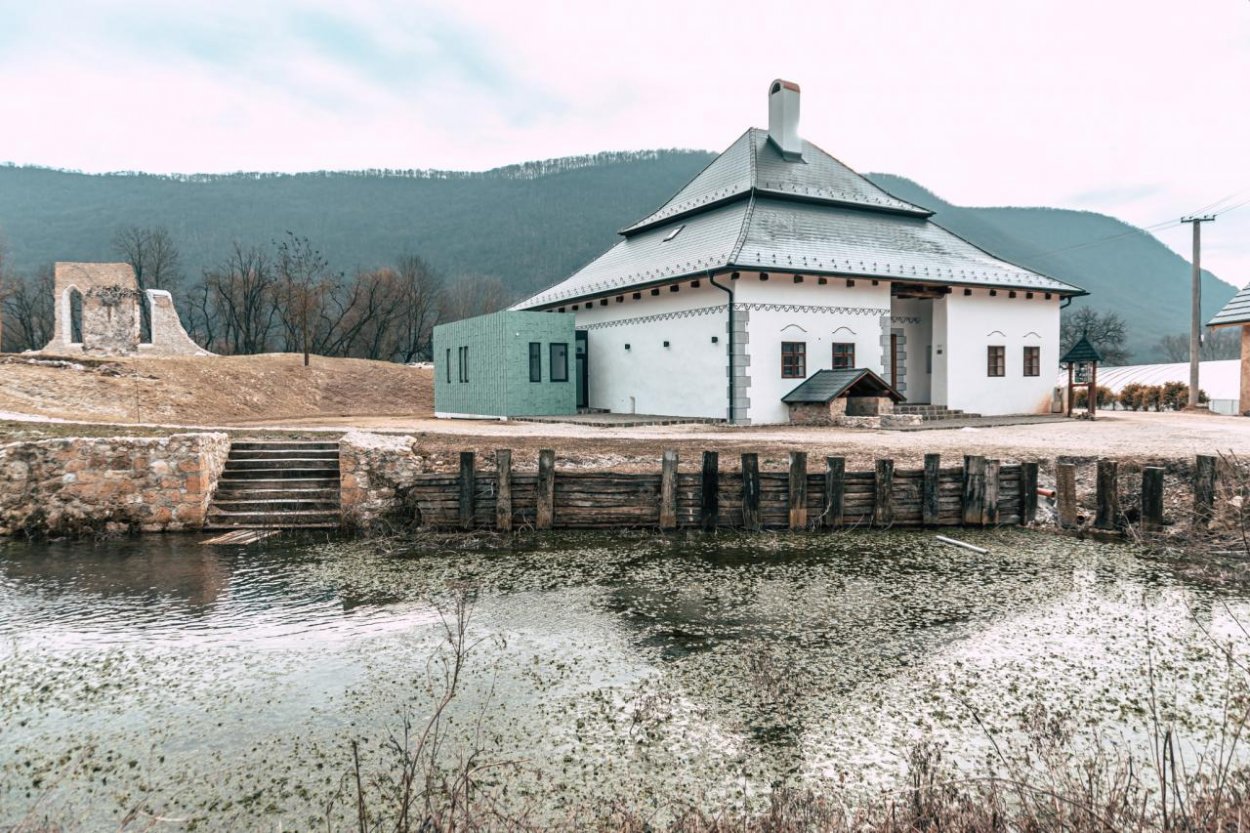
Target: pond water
(223, 686)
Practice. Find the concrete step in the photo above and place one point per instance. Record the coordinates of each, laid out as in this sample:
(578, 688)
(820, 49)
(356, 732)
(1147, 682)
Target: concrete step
(245, 492)
(290, 519)
(325, 467)
(289, 445)
(283, 454)
(231, 484)
(268, 505)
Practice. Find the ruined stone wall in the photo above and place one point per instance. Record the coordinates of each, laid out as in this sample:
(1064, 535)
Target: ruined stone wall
(168, 336)
(374, 472)
(110, 321)
(82, 485)
(86, 277)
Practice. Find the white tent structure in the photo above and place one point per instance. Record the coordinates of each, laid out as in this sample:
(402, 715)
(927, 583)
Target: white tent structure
(1220, 379)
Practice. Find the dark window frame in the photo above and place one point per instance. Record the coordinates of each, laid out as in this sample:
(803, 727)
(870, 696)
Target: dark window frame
(1032, 360)
(449, 365)
(563, 376)
(463, 355)
(794, 360)
(996, 360)
(536, 361)
(840, 351)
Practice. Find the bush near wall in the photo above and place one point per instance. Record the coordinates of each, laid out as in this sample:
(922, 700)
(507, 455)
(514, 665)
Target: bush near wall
(1168, 397)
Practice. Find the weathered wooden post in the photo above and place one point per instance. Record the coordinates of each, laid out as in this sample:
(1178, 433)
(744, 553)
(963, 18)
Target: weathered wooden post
(883, 494)
(468, 489)
(709, 488)
(1204, 490)
(1065, 493)
(835, 491)
(1152, 499)
(751, 492)
(1108, 493)
(1028, 493)
(546, 489)
(797, 493)
(974, 491)
(989, 510)
(503, 490)
(668, 490)
(930, 506)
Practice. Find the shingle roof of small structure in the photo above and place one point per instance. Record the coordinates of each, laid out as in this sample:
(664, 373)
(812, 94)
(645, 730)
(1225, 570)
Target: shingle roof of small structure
(824, 385)
(1236, 311)
(751, 209)
(1082, 351)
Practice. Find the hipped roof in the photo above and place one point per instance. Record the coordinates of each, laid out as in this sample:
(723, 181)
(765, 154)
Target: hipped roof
(1082, 351)
(752, 210)
(825, 385)
(1236, 311)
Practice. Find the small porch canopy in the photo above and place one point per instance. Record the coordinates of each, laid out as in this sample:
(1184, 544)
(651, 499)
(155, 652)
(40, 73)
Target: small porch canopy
(824, 386)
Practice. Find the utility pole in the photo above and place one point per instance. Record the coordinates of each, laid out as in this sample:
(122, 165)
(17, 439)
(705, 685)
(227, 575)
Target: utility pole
(1195, 314)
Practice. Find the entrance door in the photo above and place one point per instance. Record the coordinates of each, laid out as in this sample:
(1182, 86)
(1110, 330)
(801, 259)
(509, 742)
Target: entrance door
(583, 387)
(894, 374)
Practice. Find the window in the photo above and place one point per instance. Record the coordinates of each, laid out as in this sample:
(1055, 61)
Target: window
(996, 360)
(448, 364)
(464, 364)
(793, 360)
(559, 362)
(843, 356)
(1032, 361)
(536, 361)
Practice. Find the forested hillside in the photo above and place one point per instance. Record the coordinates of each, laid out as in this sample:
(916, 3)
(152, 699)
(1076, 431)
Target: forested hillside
(486, 237)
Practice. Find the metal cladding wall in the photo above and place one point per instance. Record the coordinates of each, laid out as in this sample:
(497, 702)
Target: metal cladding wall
(498, 368)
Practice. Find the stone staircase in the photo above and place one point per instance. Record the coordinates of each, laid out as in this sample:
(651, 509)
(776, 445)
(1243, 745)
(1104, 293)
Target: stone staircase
(933, 413)
(277, 485)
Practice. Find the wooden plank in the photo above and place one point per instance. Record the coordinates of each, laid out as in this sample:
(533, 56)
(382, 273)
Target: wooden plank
(974, 491)
(709, 491)
(1152, 499)
(835, 491)
(668, 490)
(1204, 490)
(751, 491)
(1028, 493)
(1065, 493)
(989, 510)
(467, 490)
(929, 510)
(883, 497)
(1108, 494)
(503, 492)
(797, 491)
(545, 493)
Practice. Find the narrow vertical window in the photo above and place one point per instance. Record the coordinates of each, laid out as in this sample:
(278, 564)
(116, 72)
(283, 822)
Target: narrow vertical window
(794, 360)
(996, 360)
(843, 355)
(559, 371)
(1032, 361)
(449, 364)
(464, 363)
(536, 361)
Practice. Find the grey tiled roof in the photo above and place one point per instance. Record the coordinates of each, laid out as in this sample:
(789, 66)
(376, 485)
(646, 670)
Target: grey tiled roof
(753, 162)
(1082, 351)
(751, 210)
(824, 385)
(1236, 311)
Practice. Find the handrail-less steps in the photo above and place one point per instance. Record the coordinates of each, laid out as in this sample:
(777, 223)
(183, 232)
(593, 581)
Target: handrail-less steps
(277, 485)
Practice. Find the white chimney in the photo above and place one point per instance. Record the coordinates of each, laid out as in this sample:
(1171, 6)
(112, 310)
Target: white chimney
(783, 118)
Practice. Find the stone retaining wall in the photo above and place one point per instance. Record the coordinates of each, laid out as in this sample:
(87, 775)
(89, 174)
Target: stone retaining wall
(79, 485)
(375, 471)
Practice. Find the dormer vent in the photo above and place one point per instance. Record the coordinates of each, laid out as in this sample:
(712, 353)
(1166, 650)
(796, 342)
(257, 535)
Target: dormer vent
(783, 119)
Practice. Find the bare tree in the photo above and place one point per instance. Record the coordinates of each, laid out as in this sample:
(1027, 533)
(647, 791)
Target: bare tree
(154, 257)
(422, 300)
(240, 296)
(28, 310)
(305, 280)
(472, 295)
(1216, 344)
(1105, 330)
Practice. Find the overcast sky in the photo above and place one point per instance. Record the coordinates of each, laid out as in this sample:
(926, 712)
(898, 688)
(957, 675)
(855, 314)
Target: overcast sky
(1135, 108)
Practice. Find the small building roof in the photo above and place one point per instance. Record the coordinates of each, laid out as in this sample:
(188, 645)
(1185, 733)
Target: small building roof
(824, 385)
(1236, 311)
(1082, 351)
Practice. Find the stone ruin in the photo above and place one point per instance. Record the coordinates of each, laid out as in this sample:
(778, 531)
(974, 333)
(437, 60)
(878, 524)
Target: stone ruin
(97, 311)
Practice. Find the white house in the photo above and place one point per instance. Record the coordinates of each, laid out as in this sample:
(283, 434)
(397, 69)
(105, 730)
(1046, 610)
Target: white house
(777, 261)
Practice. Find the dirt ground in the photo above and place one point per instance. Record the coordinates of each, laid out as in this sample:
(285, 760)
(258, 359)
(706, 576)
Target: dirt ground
(275, 395)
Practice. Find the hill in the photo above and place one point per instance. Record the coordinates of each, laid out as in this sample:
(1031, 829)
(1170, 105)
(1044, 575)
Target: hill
(533, 224)
(1124, 268)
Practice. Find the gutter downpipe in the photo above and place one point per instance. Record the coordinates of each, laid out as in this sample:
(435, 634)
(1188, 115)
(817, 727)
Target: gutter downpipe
(730, 307)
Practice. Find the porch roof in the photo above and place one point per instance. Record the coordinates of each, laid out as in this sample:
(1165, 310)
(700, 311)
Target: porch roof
(825, 385)
(1236, 311)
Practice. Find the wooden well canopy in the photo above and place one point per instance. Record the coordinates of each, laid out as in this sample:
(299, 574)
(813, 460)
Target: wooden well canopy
(1082, 363)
